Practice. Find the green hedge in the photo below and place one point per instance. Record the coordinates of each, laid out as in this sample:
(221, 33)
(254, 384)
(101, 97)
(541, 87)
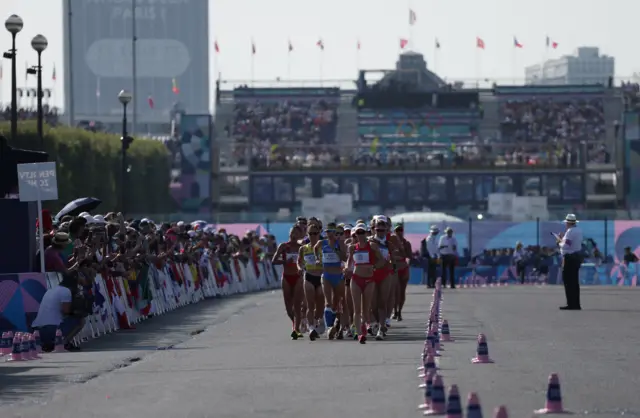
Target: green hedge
(88, 165)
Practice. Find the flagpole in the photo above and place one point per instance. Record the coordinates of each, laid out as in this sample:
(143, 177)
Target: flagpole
(358, 56)
(436, 50)
(514, 65)
(134, 70)
(410, 22)
(289, 61)
(478, 67)
(253, 55)
(320, 44)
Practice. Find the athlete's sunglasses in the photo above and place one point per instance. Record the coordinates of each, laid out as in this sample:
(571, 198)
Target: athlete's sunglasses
(330, 230)
(360, 232)
(313, 234)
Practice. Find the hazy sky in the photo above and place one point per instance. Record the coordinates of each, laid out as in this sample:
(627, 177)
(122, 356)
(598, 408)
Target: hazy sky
(378, 25)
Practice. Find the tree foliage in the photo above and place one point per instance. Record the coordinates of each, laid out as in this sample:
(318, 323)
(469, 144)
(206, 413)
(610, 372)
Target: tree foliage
(89, 165)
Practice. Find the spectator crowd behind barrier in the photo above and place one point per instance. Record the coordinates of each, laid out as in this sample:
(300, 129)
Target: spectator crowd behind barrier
(414, 155)
(125, 272)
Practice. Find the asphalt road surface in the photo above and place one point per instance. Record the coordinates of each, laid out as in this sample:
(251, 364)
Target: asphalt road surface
(233, 358)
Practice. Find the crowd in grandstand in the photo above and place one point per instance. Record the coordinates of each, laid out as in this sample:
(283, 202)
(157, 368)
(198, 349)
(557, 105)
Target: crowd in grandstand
(550, 132)
(79, 247)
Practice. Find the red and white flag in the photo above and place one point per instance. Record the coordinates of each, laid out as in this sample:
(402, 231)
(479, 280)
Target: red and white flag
(479, 43)
(358, 45)
(552, 44)
(150, 101)
(320, 44)
(412, 17)
(216, 47)
(403, 43)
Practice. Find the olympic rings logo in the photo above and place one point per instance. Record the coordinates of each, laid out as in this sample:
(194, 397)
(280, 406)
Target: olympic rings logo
(408, 128)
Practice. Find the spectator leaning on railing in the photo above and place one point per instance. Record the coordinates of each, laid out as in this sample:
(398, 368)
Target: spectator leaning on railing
(79, 248)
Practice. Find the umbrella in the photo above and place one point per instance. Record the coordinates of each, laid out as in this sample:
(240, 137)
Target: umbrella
(84, 204)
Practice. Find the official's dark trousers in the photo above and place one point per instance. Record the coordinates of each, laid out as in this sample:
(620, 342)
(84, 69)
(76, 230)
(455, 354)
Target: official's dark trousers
(449, 266)
(432, 272)
(571, 279)
(520, 270)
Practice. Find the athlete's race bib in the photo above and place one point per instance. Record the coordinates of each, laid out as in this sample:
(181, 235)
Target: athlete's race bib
(310, 259)
(330, 258)
(385, 253)
(361, 257)
(293, 257)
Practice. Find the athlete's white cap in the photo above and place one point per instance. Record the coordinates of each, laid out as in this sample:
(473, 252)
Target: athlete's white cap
(360, 226)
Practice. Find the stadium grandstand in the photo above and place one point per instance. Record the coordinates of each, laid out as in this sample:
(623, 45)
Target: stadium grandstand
(279, 144)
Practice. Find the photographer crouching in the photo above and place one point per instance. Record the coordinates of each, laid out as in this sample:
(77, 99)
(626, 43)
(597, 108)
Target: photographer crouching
(62, 307)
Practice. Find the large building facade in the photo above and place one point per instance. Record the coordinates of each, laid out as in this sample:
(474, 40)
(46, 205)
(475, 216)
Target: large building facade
(171, 68)
(586, 66)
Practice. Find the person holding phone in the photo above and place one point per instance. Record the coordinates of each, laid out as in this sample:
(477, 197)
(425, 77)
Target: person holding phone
(570, 243)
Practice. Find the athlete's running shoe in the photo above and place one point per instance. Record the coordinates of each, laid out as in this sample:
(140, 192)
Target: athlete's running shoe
(340, 335)
(332, 332)
(362, 339)
(399, 316)
(313, 335)
(294, 335)
(379, 335)
(394, 316)
(355, 336)
(387, 322)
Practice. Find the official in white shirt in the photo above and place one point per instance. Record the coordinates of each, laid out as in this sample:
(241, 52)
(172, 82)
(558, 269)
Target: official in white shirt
(570, 244)
(431, 252)
(519, 256)
(448, 248)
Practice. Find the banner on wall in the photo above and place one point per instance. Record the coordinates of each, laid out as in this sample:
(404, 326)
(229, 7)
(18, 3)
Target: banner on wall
(193, 193)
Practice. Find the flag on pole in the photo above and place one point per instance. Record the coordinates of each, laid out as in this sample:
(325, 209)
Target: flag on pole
(290, 46)
(216, 47)
(53, 73)
(516, 43)
(403, 43)
(479, 42)
(150, 101)
(174, 86)
(437, 44)
(358, 45)
(551, 43)
(412, 17)
(253, 47)
(320, 44)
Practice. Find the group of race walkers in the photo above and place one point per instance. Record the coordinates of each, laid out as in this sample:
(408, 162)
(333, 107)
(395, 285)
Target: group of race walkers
(344, 279)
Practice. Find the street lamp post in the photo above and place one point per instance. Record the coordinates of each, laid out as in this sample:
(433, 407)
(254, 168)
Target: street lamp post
(14, 25)
(125, 98)
(39, 44)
